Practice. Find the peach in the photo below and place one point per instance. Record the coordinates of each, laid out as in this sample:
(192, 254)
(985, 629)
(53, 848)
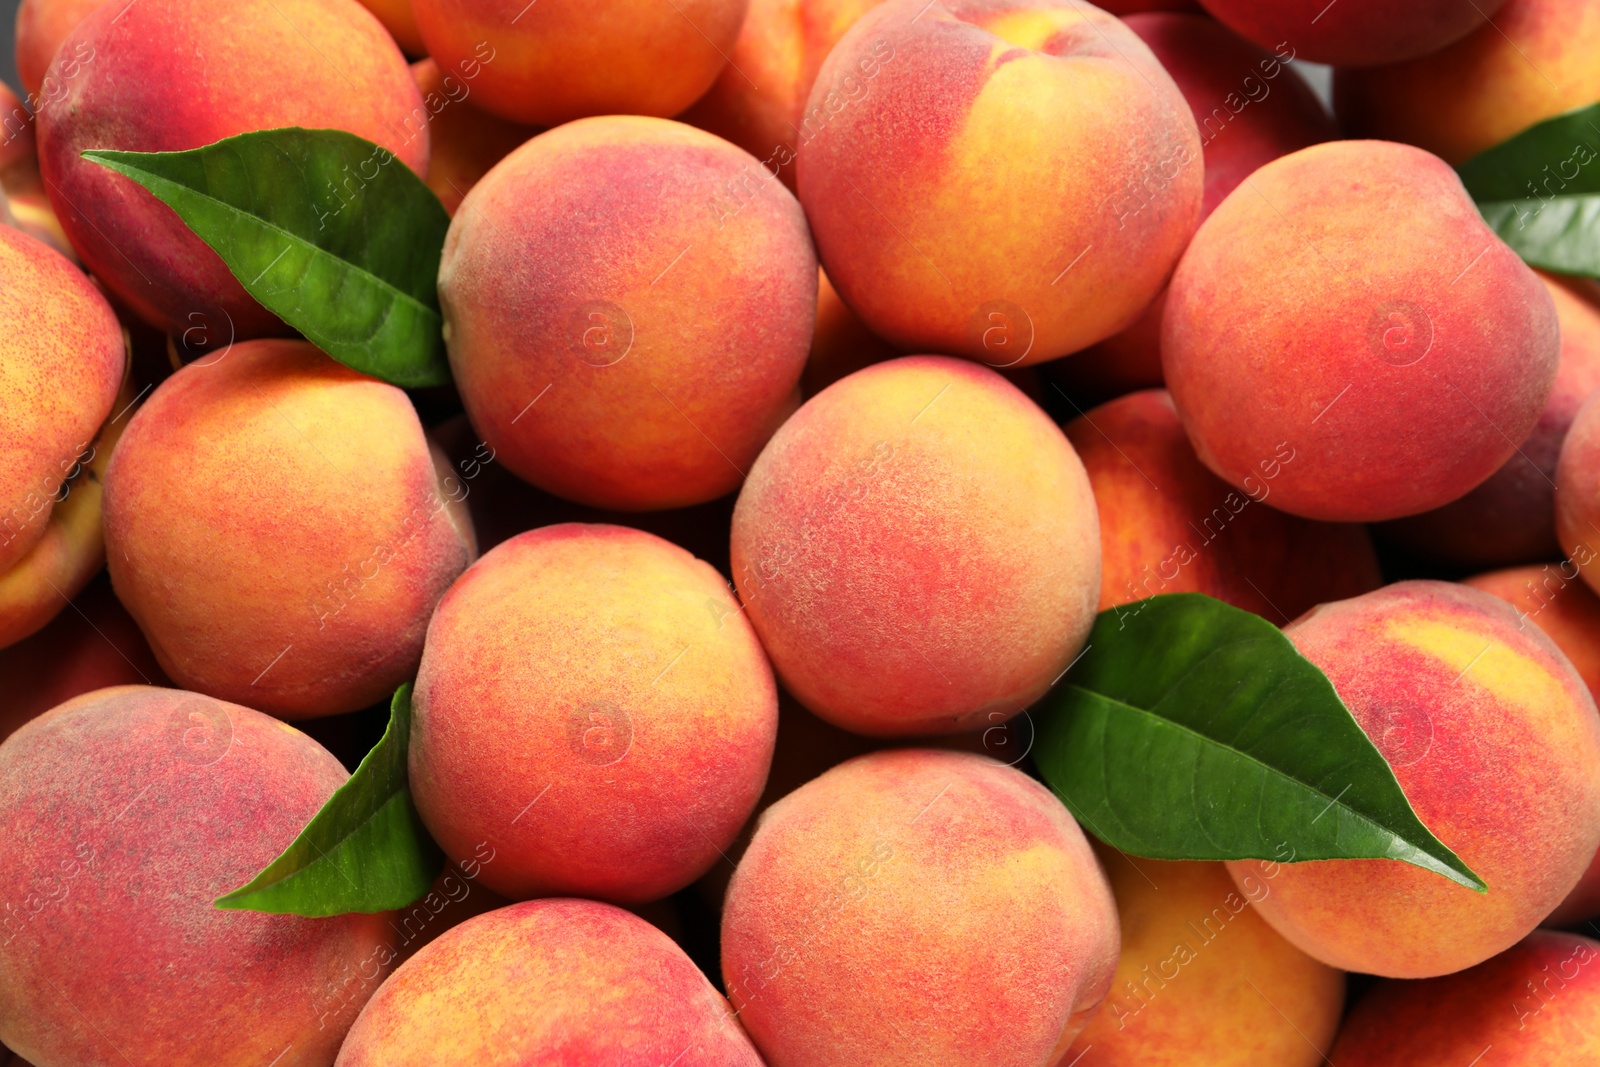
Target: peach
(1535, 1005)
(464, 142)
(1124, 8)
(1553, 599)
(1396, 349)
(759, 100)
(275, 524)
(1354, 33)
(593, 704)
(1532, 61)
(1578, 491)
(547, 63)
(225, 69)
(549, 982)
(1511, 517)
(401, 22)
(841, 344)
(41, 27)
(1495, 741)
(1010, 180)
(123, 814)
(1202, 979)
(918, 549)
(917, 907)
(1168, 525)
(649, 376)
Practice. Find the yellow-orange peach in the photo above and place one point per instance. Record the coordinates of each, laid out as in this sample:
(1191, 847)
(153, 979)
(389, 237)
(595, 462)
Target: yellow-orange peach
(1009, 180)
(1533, 61)
(1354, 33)
(549, 982)
(1168, 525)
(591, 703)
(1393, 344)
(123, 815)
(1496, 742)
(464, 141)
(1202, 980)
(906, 864)
(275, 524)
(41, 27)
(226, 67)
(557, 60)
(648, 376)
(918, 549)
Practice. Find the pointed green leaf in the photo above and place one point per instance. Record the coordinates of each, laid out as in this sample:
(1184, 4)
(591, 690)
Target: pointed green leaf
(1562, 235)
(1192, 730)
(330, 232)
(366, 850)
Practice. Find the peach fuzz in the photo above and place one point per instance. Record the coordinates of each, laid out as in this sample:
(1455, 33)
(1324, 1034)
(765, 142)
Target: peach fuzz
(592, 704)
(1202, 979)
(1168, 525)
(123, 815)
(906, 864)
(558, 60)
(1494, 739)
(1535, 61)
(649, 376)
(548, 982)
(1511, 517)
(41, 27)
(1535, 1005)
(918, 549)
(275, 524)
(759, 100)
(1009, 180)
(464, 142)
(1393, 344)
(259, 70)
(1553, 598)
(1354, 33)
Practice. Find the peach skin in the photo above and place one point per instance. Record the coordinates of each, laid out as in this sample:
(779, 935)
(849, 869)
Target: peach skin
(1008, 180)
(1532, 62)
(275, 524)
(545, 984)
(398, 18)
(41, 27)
(918, 549)
(650, 376)
(259, 69)
(1354, 33)
(841, 344)
(123, 815)
(1495, 740)
(1534, 1005)
(1168, 525)
(1578, 491)
(908, 863)
(1202, 981)
(1396, 349)
(548, 63)
(593, 704)
(464, 142)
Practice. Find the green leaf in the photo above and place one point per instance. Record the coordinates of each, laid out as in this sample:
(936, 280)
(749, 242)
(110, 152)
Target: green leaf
(1540, 191)
(366, 850)
(330, 232)
(1192, 730)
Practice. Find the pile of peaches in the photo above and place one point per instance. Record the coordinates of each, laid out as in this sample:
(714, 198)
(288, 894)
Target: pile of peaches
(817, 374)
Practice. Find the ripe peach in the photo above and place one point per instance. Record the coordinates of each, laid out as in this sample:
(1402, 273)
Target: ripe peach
(275, 524)
(841, 344)
(547, 63)
(1578, 491)
(547, 982)
(225, 69)
(1009, 180)
(650, 376)
(1168, 525)
(1394, 345)
(1202, 979)
(123, 814)
(464, 142)
(1534, 60)
(1496, 742)
(612, 671)
(41, 27)
(909, 865)
(401, 22)
(1354, 33)
(1535, 1005)
(759, 100)
(918, 549)
(1511, 517)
